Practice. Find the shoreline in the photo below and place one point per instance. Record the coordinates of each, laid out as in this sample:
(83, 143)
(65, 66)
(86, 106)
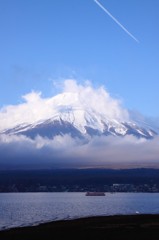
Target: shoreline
(140, 226)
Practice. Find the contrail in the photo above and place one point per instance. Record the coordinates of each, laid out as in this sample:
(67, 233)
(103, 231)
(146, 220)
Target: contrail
(119, 24)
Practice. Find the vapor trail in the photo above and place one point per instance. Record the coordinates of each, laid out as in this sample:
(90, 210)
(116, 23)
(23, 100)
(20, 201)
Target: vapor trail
(115, 20)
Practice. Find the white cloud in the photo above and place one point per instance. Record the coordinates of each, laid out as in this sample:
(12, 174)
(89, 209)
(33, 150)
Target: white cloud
(65, 151)
(98, 99)
(36, 108)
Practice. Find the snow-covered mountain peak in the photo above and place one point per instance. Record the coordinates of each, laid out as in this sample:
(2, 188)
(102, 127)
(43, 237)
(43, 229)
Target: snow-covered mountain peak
(79, 111)
(82, 111)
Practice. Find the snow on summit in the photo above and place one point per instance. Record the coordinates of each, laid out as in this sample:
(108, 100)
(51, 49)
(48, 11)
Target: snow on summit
(79, 104)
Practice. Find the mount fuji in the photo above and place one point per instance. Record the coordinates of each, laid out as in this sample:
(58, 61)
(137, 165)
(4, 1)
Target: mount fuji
(75, 114)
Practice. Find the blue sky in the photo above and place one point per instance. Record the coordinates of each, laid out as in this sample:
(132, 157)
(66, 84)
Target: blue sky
(46, 40)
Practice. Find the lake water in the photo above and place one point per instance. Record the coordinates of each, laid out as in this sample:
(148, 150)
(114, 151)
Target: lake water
(23, 209)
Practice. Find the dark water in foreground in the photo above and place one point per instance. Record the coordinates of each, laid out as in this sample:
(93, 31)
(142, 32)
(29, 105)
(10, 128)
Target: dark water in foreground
(22, 209)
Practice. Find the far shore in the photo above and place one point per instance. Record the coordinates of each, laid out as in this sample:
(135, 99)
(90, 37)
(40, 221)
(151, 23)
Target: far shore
(128, 227)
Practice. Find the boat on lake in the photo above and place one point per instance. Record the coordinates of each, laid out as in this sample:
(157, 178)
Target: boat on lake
(95, 194)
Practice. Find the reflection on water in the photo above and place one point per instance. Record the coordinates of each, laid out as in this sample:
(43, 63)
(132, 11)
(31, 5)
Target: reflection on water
(21, 209)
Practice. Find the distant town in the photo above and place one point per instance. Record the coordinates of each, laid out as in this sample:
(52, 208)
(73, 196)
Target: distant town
(77, 188)
(75, 180)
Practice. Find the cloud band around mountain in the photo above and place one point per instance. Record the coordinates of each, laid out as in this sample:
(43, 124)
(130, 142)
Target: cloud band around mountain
(67, 152)
(19, 151)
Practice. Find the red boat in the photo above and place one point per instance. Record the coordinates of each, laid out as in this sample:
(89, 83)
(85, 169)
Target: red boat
(95, 194)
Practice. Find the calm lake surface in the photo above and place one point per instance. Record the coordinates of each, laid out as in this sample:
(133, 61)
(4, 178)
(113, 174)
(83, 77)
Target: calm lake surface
(23, 209)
